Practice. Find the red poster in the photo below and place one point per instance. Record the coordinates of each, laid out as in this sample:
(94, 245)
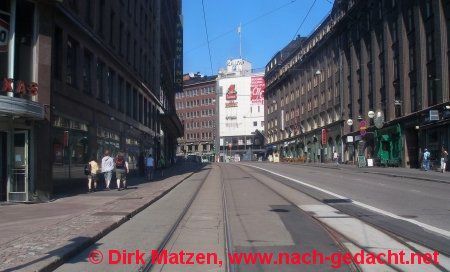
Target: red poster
(258, 88)
(324, 136)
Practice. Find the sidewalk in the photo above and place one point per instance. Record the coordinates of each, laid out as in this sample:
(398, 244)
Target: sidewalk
(38, 237)
(401, 172)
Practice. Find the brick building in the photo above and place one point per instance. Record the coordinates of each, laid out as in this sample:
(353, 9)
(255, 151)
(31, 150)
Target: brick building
(386, 58)
(196, 107)
(105, 75)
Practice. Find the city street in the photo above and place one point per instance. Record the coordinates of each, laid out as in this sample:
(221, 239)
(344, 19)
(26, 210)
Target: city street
(255, 208)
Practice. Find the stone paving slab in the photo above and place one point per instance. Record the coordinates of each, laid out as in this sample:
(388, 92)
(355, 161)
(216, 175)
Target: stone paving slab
(38, 237)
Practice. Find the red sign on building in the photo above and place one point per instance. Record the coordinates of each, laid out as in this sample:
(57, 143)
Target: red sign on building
(258, 87)
(324, 136)
(231, 93)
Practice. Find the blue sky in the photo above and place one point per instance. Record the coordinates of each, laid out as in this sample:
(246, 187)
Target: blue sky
(261, 38)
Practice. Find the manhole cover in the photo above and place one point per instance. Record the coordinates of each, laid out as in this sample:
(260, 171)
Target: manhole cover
(109, 213)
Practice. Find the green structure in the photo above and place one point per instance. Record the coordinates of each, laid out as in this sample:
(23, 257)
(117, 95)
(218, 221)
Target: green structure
(389, 145)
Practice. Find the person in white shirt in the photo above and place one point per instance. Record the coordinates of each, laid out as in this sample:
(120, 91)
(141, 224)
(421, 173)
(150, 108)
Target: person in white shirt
(149, 166)
(107, 168)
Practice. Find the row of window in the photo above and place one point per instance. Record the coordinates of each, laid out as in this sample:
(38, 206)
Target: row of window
(202, 124)
(195, 92)
(102, 82)
(195, 114)
(200, 136)
(194, 103)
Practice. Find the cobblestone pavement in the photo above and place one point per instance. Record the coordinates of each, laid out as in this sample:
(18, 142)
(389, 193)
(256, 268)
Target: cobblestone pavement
(37, 236)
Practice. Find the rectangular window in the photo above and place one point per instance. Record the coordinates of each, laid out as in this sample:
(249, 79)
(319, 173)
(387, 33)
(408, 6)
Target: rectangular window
(71, 65)
(111, 91)
(99, 79)
(129, 99)
(111, 28)
(120, 38)
(120, 95)
(430, 46)
(57, 53)
(100, 17)
(87, 63)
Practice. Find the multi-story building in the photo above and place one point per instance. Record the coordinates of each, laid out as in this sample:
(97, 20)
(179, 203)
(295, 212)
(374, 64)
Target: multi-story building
(372, 80)
(196, 107)
(82, 77)
(240, 112)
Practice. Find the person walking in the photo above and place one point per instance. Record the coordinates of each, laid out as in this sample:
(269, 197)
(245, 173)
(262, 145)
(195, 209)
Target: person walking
(426, 159)
(107, 168)
(336, 157)
(121, 170)
(149, 166)
(92, 171)
(444, 159)
(161, 165)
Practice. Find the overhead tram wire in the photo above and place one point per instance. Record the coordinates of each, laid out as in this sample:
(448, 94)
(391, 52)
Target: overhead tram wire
(304, 19)
(244, 24)
(207, 37)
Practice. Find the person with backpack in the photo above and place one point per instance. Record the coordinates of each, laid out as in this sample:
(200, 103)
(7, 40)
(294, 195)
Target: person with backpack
(107, 168)
(121, 170)
(91, 170)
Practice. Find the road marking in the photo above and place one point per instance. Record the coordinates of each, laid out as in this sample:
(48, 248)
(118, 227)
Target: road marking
(371, 208)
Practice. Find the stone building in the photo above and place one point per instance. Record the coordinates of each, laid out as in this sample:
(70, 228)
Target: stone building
(103, 73)
(382, 58)
(196, 107)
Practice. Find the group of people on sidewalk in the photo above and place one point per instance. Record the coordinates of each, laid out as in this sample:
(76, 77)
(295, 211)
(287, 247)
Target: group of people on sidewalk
(426, 159)
(119, 165)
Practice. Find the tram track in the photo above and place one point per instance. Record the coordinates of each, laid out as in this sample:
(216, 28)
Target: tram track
(338, 237)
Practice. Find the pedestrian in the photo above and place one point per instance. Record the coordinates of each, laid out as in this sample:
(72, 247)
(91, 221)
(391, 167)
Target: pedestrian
(444, 159)
(336, 157)
(162, 165)
(92, 170)
(426, 159)
(149, 166)
(107, 168)
(121, 170)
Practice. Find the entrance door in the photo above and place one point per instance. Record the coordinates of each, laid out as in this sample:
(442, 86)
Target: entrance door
(18, 189)
(3, 165)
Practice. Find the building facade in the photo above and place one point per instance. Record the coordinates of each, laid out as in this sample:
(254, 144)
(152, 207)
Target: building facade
(94, 80)
(240, 112)
(196, 107)
(383, 59)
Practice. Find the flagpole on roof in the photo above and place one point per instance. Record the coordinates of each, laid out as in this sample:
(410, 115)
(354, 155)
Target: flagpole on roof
(239, 30)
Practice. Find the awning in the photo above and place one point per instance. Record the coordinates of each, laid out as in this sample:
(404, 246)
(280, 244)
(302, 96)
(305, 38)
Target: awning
(13, 106)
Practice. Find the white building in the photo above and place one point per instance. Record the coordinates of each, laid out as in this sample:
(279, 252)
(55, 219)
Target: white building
(240, 111)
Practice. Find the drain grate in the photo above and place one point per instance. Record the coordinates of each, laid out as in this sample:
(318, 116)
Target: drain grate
(109, 213)
(279, 210)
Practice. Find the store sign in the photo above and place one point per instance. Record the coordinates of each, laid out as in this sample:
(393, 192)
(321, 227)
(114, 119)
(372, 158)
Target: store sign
(231, 93)
(231, 104)
(231, 117)
(258, 87)
(434, 115)
(4, 35)
(324, 136)
(349, 139)
(362, 128)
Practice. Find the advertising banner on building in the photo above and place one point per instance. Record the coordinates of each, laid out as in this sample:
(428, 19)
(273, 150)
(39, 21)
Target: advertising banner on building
(258, 87)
